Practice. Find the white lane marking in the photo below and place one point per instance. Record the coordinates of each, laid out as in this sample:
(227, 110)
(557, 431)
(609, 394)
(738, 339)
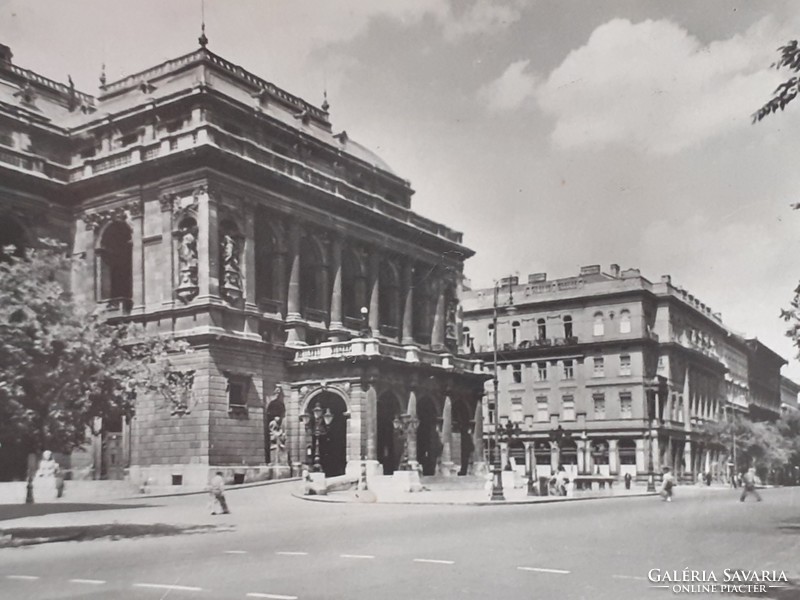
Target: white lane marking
(235, 551)
(292, 553)
(356, 556)
(23, 577)
(273, 596)
(540, 570)
(636, 577)
(434, 561)
(166, 586)
(88, 581)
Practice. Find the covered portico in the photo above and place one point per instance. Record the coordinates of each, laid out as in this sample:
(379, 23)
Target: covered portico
(362, 387)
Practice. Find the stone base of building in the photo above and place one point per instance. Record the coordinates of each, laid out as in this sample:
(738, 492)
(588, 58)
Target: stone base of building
(194, 476)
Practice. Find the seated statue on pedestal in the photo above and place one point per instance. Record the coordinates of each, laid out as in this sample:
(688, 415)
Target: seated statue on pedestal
(277, 442)
(48, 482)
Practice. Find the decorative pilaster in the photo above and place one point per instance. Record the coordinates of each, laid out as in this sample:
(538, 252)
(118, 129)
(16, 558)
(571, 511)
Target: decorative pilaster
(208, 243)
(249, 271)
(136, 216)
(413, 423)
(613, 457)
(408, 306)
(371, 410)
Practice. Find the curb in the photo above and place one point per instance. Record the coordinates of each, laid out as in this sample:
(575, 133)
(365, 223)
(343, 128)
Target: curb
(232, 488)
(548, 500)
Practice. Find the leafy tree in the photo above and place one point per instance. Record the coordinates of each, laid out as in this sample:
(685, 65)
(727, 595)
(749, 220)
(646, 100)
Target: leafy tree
(62, 365)
(786, 91)
(758, 444)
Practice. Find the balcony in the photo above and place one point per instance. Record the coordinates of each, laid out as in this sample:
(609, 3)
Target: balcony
(114, 307)
(370, 347)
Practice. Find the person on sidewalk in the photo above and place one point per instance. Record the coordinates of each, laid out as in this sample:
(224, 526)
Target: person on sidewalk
(628, 481)
(749, 485)
(667, 483)
(217, 490)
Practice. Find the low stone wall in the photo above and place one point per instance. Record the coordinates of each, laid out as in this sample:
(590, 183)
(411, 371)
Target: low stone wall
(198, 476)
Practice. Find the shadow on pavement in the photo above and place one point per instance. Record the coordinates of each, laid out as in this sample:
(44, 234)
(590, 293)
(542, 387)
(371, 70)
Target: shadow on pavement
(24, 536)
(18, 511)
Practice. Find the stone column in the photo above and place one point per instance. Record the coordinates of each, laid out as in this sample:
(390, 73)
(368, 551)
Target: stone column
(555, 457)
(656, 452)
(687, 459)
(249, 257)
(641, 459)
(446, 465)
(412, 431)
(613, 457)
(478, 448)
(295, 332)
(582, 462)
(437, 333)
(408, 307)
(137, 263)
(207, 244)
(371, 410)
(374, 292)
(336, 326)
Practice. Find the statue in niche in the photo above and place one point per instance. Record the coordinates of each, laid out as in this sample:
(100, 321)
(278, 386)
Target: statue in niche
(231, 275)
(187, 260)
(277, 441)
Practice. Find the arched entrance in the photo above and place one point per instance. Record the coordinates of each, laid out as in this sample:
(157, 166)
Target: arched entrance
(389, 441)
(333, 441)
(429, 447)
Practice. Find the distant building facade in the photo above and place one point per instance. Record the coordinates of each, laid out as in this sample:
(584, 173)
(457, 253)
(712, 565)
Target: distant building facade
(203, 202)
(789, 391)
(614, 361)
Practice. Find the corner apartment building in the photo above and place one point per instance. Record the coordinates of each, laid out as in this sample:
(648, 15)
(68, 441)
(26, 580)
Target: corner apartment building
(621, 364)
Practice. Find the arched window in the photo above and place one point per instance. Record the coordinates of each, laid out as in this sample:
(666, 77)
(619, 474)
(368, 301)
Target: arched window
(313, 282)
(490, 335)
(515, 332)
(625, 321)
(567, 326)
(599, 325)
(354, 284)
(389, 298)
(468, 342)
(541, 326)
(115, 256)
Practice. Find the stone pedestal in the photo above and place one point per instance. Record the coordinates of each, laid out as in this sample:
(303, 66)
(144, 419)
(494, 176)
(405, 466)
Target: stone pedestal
(480, 468)
(407, 481)
(373, 469)
(316, 485)
(446, 469)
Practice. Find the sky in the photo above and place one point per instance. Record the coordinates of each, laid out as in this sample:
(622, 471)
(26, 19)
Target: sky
(554, 134)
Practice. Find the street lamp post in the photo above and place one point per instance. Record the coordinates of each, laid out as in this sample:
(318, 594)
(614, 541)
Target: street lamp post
(651, 476)
(319, 428)
(497, 479)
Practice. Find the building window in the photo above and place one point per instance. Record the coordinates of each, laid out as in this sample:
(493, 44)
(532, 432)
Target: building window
(625, 321)
(515, 333)
(541, 371)
(625, 405)
(624, 364)
(599, 401)
(516, 410)
(542, 410)
(541, 326)
(490, 335)
(599, 326)
(237, 391)
(516, 373)
(115, 256)
(599, 367)
(568, 408)
(468, 342)
(567, 326)
(627, 452)
(569, 370)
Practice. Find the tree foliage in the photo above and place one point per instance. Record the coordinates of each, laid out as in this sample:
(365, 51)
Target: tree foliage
(763, 445)
(786, 91)
(62, 365)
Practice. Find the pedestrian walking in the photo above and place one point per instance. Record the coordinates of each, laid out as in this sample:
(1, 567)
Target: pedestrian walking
(217, 490)
(628, 481)
(667, 483)
(749, 483)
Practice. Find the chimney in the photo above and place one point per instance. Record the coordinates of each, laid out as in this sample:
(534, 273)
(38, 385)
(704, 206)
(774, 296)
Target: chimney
(5, 54)
(590, 270)
(614, 269)
(537, 277)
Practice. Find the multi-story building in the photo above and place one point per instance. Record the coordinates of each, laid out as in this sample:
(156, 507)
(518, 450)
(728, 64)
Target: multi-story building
(593, 368)
(789, 391)
(202, 201)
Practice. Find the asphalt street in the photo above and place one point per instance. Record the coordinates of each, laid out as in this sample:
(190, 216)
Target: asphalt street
(280, 547)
